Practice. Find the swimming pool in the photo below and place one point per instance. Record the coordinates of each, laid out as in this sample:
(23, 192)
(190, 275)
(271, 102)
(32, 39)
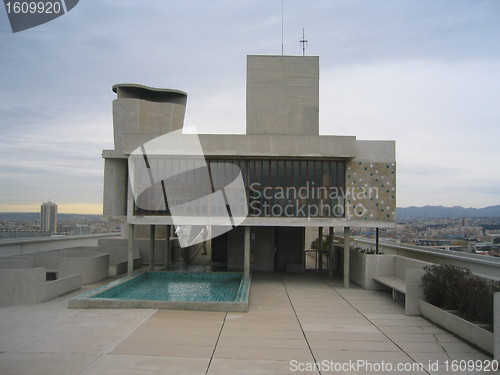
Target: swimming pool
(211, 291)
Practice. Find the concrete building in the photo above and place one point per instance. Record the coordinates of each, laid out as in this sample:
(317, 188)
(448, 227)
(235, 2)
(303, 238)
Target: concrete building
(48, 217)
(293, 177)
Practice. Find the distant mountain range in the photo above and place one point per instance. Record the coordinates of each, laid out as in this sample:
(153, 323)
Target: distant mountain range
(435, 212)
(426, 212)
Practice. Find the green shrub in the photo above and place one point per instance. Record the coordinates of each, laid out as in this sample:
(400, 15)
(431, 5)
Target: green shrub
(315, 244)
(363, 250)
(441, 284)
(473, 289)
(455, 288)
(478, 294)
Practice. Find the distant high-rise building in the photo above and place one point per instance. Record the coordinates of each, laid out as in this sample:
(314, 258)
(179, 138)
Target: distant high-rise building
(48, 217)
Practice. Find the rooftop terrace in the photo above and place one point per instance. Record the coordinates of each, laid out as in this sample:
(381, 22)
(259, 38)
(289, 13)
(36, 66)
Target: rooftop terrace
(303, 318)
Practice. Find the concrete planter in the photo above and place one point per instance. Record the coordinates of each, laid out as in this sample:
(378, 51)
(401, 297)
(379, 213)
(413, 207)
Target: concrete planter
(458, 326)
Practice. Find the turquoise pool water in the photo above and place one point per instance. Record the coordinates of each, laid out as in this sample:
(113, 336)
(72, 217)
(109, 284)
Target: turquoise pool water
(177, 286)
(200, 291)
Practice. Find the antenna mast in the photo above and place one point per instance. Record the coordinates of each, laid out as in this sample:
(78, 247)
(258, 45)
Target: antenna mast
(282, 28)
(303, 42)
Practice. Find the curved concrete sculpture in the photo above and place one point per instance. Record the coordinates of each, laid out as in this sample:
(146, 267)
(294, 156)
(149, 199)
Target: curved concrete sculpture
(152, 94)
(142, 113)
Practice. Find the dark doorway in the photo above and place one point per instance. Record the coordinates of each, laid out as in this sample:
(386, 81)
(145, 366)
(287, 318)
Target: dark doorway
(220, 246)
(289, 247)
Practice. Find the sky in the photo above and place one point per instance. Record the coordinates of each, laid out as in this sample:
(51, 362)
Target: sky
(425, 73)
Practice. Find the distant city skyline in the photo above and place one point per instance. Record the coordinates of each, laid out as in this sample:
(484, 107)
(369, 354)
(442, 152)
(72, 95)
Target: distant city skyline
(424, 73)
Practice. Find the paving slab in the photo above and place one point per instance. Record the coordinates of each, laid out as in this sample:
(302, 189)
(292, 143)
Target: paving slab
(276, 354)
(252, 342)
(253, 367)
(153, 363)
(373, 346)
(191, 350)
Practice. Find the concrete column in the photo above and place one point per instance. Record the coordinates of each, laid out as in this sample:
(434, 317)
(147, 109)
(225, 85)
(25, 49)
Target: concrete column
(152, 244)
(320, 254)
(130, 264)
(124, 230)
(246, 255)
(168, 250)
(496, 326)
(347, 240)
(330, 252)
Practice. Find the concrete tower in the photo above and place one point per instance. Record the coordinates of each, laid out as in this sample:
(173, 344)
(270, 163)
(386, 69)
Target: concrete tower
(48, 217)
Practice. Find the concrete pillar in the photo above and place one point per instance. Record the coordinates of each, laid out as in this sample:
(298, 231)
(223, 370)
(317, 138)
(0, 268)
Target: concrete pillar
(347, 238)
(168, 250)
(152, 236)
(330, 252)
(246, 255)
(496, 326)
(130, 264)
(320, 253)
(124, 230)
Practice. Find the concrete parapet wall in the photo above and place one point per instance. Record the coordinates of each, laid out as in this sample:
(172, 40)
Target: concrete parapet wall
(401, 265)
(29, 286)
(118, 250)
(16, 263)
(480, 265)
(62, 286)
(92, 265)
(34, 245)
(23, 277)
(47, 259)
(22, 286)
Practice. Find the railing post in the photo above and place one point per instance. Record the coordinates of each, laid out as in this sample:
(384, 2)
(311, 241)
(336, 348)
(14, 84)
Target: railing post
(152, 237)
(347, 237)
(330, 252)
(168, 250)
(246, 253)
(320, 259)
(130, 264)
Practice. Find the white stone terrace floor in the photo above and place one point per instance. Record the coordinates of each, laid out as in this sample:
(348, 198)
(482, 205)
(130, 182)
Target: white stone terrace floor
(305, 318)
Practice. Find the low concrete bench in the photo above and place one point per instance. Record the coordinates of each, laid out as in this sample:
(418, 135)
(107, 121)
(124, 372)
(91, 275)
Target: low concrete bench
(395, 283)
(404, 276)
